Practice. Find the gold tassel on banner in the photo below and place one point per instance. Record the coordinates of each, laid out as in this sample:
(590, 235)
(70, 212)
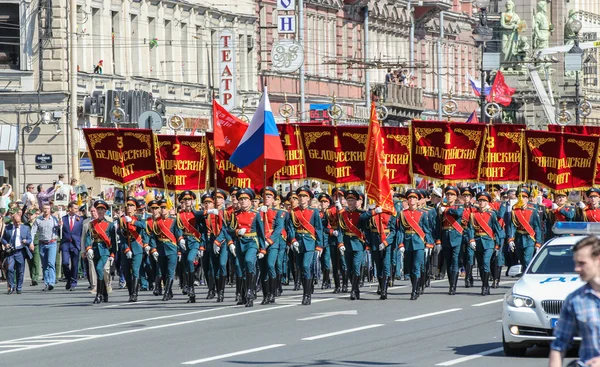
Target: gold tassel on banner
(520, 202)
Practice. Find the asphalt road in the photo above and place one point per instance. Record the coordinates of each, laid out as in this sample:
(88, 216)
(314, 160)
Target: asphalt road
(62, 328)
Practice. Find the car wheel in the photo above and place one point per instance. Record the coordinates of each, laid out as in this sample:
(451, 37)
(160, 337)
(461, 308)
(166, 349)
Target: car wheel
(512, 351)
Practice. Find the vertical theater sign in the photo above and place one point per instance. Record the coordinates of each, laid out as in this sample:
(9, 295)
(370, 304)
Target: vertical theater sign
(227, 85)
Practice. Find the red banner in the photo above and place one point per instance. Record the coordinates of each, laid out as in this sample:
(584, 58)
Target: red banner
(121, 155)
(228, 129)
(182, 161)
(397, 154)
(446, 151)
(561, 161)
(350, 158)
(502, 154)
(585, 130)
(295, 166)
(321, 145)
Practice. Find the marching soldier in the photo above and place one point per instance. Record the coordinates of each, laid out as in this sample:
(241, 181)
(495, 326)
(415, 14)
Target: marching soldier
(249, 242)
(334, 241)
(485, 235)
(451, 234)
(500, 206)
(381, 233)
(326, 202)
(591, 212)
(216, 239)
(414, 235)
(130, 229)
(561, 211)
(305, 231)
(281, 265)
(190, 225)
(100, 246)
(234, 265)
(150, 245)
(165, 234)
(292, 198)
(524, 230)
(424, 281)
(146, 269)
(274, 221)
(469, 252)
(354, 246)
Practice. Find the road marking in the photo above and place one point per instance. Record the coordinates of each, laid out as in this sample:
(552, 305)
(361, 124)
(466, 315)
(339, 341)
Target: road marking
(471, 357)
(125, 304)
(428, 314)
(323, 315)
(347, 331)
(241, 352)
(488, 302)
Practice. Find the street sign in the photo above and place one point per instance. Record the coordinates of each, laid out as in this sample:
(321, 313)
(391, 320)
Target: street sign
(286, 24)
(150, 120)
(43, 167)
(287, 56)
(43, 158)
(85, 164)
(286, 5)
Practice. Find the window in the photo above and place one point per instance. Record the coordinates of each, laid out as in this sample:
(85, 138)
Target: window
(185, 70)
(135, 46)
(96, 37)
(168, 60)
(10, 39)
(116, 38)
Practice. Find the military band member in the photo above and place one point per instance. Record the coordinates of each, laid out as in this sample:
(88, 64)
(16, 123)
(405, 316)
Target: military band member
(354, 246)
(190, 224)
(249, 242)
(485, 235)
(381, 233)
(591, 212)
(306, 233)
(469, 253)
(414, 235)
(274, 221)
(100, 246)
(130, 230)
(150, 245)
(217, 240)
(561, 211)
(451, 234)
(165, 234)
(524, 230)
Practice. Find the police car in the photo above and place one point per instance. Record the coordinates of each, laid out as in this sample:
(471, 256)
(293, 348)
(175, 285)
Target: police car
(531, 309)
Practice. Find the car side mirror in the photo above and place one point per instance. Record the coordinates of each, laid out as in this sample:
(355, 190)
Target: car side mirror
(515, 271)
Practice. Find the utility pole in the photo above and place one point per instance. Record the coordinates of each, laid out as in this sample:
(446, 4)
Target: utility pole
(74, 132)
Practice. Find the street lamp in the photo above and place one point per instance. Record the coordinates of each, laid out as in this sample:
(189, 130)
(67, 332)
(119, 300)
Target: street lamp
(482, 33)
(573, 62)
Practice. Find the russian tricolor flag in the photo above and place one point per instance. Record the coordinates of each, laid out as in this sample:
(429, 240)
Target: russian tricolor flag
(476, 86)
(260, 149)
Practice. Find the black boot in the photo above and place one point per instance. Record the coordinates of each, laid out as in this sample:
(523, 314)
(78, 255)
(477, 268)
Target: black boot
(468, 276)
(238, 291)
(104, 292)
(326, 281)
(99, 287)
(363, 274)
(484, 281)
(250, 282)
(265, 291)
(450, 282)
(498, 275)
(211, 287)
(273, 289)
(353, 285)
(279, 286)
(379, 286)
(336, 281)
(344, 282)
(384, 286)
(454, 283)
(167, 295)
(134, 291)
(311, 285)
(414, 295)
(296, 283)
(221, 289)
(191, 289)
(157, 287)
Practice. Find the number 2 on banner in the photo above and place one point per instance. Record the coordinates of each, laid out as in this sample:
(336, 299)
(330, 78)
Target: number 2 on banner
(176, 148)
(447, 138)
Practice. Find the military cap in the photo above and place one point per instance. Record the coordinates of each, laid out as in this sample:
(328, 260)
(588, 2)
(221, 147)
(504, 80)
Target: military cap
(412, 193)
(352, 194)
(207, 197)
(338, 191)
(362, 196)
(484, 196)
(424, 193)
(34, 211)
(187, 195)
(305, 189)
(153, 204)
(468, 191)
(219, 192)
(100, 204)
(131, 200)
(233, 190)
(141, 203)
(290, 195)
(268, 189)
(503, 194)
(245, 193)
(559, 193)
(452, 189)
(162, 203)
(593, 192)
(524, 192)
(324, 197)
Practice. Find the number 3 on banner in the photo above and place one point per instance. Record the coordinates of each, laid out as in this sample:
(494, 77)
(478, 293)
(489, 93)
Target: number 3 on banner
(120, 142)
(176, 148)
(447, 138)
(491, 142)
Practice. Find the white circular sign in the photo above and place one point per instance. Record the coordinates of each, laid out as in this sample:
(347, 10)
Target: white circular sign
(287, 56)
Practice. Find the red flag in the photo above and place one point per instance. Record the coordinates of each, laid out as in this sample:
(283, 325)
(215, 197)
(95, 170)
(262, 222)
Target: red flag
(500, 92)
(228, 129)
(377, 181)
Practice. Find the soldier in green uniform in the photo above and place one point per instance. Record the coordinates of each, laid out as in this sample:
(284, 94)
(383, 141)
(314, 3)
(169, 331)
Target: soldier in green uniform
(131, 230)
(427, 270)
(335, 240)
(451, 234)
(150, 246)
(561, 211)
(325, 202)
(100, 245)
(484, 233)
(524, 230)
(273, 219)
(190, 224)
(414, 234)
(468, 253)
(381, 233)
(165, 233)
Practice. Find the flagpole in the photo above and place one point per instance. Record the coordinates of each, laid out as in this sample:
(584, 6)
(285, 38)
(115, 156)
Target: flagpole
(212, 114)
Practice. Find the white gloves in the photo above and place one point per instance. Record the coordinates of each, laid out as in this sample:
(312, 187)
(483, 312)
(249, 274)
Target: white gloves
(318, 254)
(378, 210)
(338, 205)
(216, 249)
(155, 254)
(147, 249)
(111, 260)
(263, 209)
(441, 209)
(128, 219)
(381, 246)
(200, 253)
(582, 205)
(438, 248)
(241, 232)
(182, 244)
(213, 211)
(342, 250)
(260, 255)
(402, 249)
(232, 249)
(90, 254)
(473, 245)
(511, 246)
(372, 206)
(129, 255)
(179, 258)
(335, 233)
(554, 206)
(296, 246)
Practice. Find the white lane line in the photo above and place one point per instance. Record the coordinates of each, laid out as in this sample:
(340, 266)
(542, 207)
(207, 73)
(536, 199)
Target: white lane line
(323, 315)
(241, 352)
(488, 303)
(471, 357)
(322, 336)
(125, 304)
(428, 314)
(22, 346)
(148, 328)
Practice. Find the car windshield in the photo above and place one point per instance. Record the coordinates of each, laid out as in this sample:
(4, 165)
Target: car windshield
(556, 259)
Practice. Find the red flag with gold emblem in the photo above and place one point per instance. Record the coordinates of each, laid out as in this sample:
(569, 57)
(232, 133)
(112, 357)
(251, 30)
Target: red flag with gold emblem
(377, 182)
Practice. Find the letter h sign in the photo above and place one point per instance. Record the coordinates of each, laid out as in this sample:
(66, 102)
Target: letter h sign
(286, 24)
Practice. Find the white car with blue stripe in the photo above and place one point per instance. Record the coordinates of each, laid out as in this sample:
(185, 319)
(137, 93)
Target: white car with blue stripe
(531, 308)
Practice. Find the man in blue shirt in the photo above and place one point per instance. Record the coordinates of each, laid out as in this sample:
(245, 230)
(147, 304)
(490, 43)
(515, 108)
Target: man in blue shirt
(581, 310)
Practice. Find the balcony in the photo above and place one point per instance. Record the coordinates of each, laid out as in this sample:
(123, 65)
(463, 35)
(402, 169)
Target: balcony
(403, 103)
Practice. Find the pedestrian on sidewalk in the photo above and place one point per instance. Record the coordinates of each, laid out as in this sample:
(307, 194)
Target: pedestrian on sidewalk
(47, 228)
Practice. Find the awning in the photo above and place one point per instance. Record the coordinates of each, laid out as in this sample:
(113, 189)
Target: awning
(9, 138)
